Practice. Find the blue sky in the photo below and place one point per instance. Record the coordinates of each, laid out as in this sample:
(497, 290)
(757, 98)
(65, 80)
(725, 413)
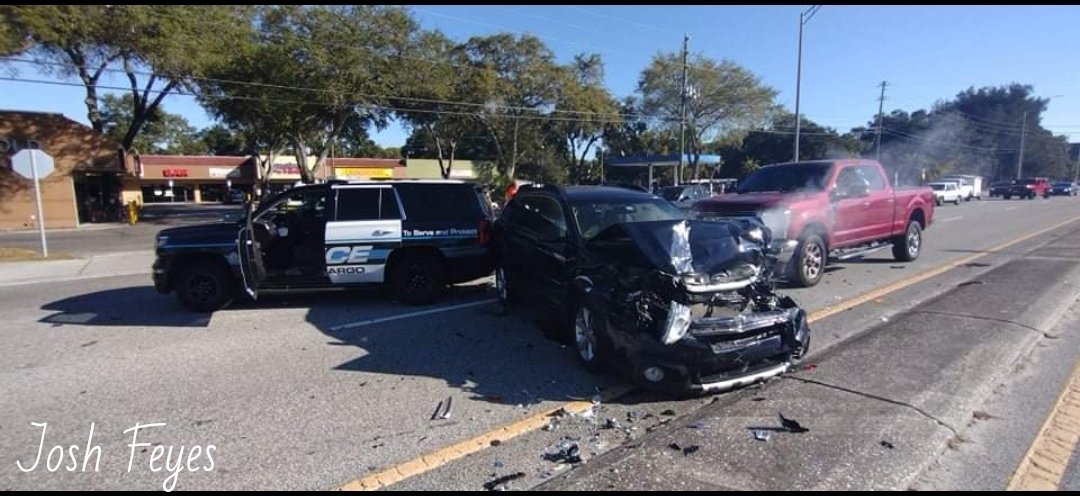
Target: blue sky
(926, 53)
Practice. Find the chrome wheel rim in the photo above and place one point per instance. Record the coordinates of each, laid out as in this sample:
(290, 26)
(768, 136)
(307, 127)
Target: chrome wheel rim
(584, 335)
(812, 262)
(913, 241)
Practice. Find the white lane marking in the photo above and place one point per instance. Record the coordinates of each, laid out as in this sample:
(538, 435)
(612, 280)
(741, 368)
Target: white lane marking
(380, 320)
(952, 219)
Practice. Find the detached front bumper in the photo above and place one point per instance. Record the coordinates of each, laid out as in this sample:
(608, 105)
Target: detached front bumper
(719, 354)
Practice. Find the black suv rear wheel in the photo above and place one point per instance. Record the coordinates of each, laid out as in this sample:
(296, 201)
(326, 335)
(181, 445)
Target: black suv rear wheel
(205, 287)
(417, 279)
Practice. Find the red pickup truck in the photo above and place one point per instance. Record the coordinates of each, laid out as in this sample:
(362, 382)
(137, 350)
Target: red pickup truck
(827, 209)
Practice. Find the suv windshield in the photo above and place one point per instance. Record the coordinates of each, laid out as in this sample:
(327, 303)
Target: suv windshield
(594, 216)
(789, 177)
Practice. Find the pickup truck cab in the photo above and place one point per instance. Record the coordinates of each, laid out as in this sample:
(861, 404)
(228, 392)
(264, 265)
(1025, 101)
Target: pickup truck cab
(827, 209)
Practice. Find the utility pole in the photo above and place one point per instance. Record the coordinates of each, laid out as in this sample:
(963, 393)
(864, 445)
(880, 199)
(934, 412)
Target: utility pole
(682, 111)
(803, 19)
(880, 113)
(1020, 158)
(1076, 175)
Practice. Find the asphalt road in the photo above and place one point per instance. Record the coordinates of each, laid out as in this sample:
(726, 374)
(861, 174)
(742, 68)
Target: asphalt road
(300, 393)
(93, 239)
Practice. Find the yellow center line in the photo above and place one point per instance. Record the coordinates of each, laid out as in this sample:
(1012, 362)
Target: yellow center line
(476, 444)
(1045, 463)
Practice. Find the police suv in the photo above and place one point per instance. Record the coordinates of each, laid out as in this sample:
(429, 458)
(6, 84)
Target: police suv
(417, 236)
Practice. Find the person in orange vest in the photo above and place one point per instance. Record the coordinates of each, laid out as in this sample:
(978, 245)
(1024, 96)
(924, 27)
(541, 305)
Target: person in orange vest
(511, 190)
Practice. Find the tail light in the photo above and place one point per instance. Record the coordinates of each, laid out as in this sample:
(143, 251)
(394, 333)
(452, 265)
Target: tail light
(485, 231)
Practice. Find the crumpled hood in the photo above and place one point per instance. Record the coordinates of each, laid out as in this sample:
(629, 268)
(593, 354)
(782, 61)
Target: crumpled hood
(692, 246)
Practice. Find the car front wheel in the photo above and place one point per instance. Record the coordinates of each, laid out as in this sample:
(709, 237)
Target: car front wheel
(588, 339)
(205, 287)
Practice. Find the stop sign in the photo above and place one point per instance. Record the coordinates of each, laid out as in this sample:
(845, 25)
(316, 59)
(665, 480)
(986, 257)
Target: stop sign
(21, 163)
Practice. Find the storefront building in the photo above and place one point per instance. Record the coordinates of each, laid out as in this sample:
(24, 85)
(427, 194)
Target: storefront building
(187, 178)
(285, 172)
(85, 185)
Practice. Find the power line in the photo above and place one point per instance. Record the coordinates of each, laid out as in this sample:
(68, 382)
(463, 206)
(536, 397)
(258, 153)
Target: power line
(341, 93)
(299, 102)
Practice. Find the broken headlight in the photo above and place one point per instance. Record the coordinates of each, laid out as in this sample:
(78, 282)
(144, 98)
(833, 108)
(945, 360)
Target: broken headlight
(677, 323)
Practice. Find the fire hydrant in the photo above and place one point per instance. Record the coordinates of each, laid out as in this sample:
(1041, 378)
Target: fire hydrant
(132, 212)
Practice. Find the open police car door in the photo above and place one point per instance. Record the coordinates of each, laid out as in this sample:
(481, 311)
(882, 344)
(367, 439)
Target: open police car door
(365, 229)
(251, 262)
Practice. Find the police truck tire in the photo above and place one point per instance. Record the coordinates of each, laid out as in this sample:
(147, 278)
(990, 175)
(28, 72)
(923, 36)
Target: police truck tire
(417, 279)
(205, 287)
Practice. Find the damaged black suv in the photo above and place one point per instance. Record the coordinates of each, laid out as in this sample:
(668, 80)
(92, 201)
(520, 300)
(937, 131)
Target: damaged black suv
(683, 306)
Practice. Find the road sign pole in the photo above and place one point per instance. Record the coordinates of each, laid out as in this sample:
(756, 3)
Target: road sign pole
(40, 214)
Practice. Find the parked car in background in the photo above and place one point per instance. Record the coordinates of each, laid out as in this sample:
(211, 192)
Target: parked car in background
(1000, 188)
(1064, 188)
(684, 196)
(946, 192)
(235, 196)
(1029, 188)
(827, 209)
(971, 186)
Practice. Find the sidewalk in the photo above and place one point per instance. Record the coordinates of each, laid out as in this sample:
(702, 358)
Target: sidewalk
(104, 265)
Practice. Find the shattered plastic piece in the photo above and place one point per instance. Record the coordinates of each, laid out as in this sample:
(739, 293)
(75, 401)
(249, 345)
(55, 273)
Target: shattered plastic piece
(442, 410)
(551, 426)
(884, 319)
(498, 464)
(675, 446)
(611, 424)
(496, 443)
(568, 453)
(697, 425)
(809, 368)
(669, 412)
(693, 448)
(761, 434)
(495, 484)
(791, 425)
(887, 444)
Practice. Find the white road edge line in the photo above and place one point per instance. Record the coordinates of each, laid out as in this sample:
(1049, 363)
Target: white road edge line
(413, 314)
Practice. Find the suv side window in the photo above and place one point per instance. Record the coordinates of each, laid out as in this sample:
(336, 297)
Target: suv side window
(358, 204)
(307, 202)
(441, 203)
(540, 214)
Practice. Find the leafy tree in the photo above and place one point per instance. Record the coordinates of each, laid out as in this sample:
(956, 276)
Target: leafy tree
(162, 132)
(312, 75)
(430, 103)
(160, 49)
(587, 108)
(220, 140)
(723, 98)
(515, 82)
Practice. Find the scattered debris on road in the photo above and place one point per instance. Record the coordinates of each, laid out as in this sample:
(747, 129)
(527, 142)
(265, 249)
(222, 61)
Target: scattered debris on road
(567, 452)
(669, 412)
(696, 425)
(809, 368)
(443, 409)
(887, 444)
(970, 283)
(502, 483)
(791, 425)
(981, 415)
(761, 434)
(611, 424)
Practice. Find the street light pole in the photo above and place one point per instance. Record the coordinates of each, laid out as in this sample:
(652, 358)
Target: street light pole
(804, 17)
(1020, 158)
(682, 111)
